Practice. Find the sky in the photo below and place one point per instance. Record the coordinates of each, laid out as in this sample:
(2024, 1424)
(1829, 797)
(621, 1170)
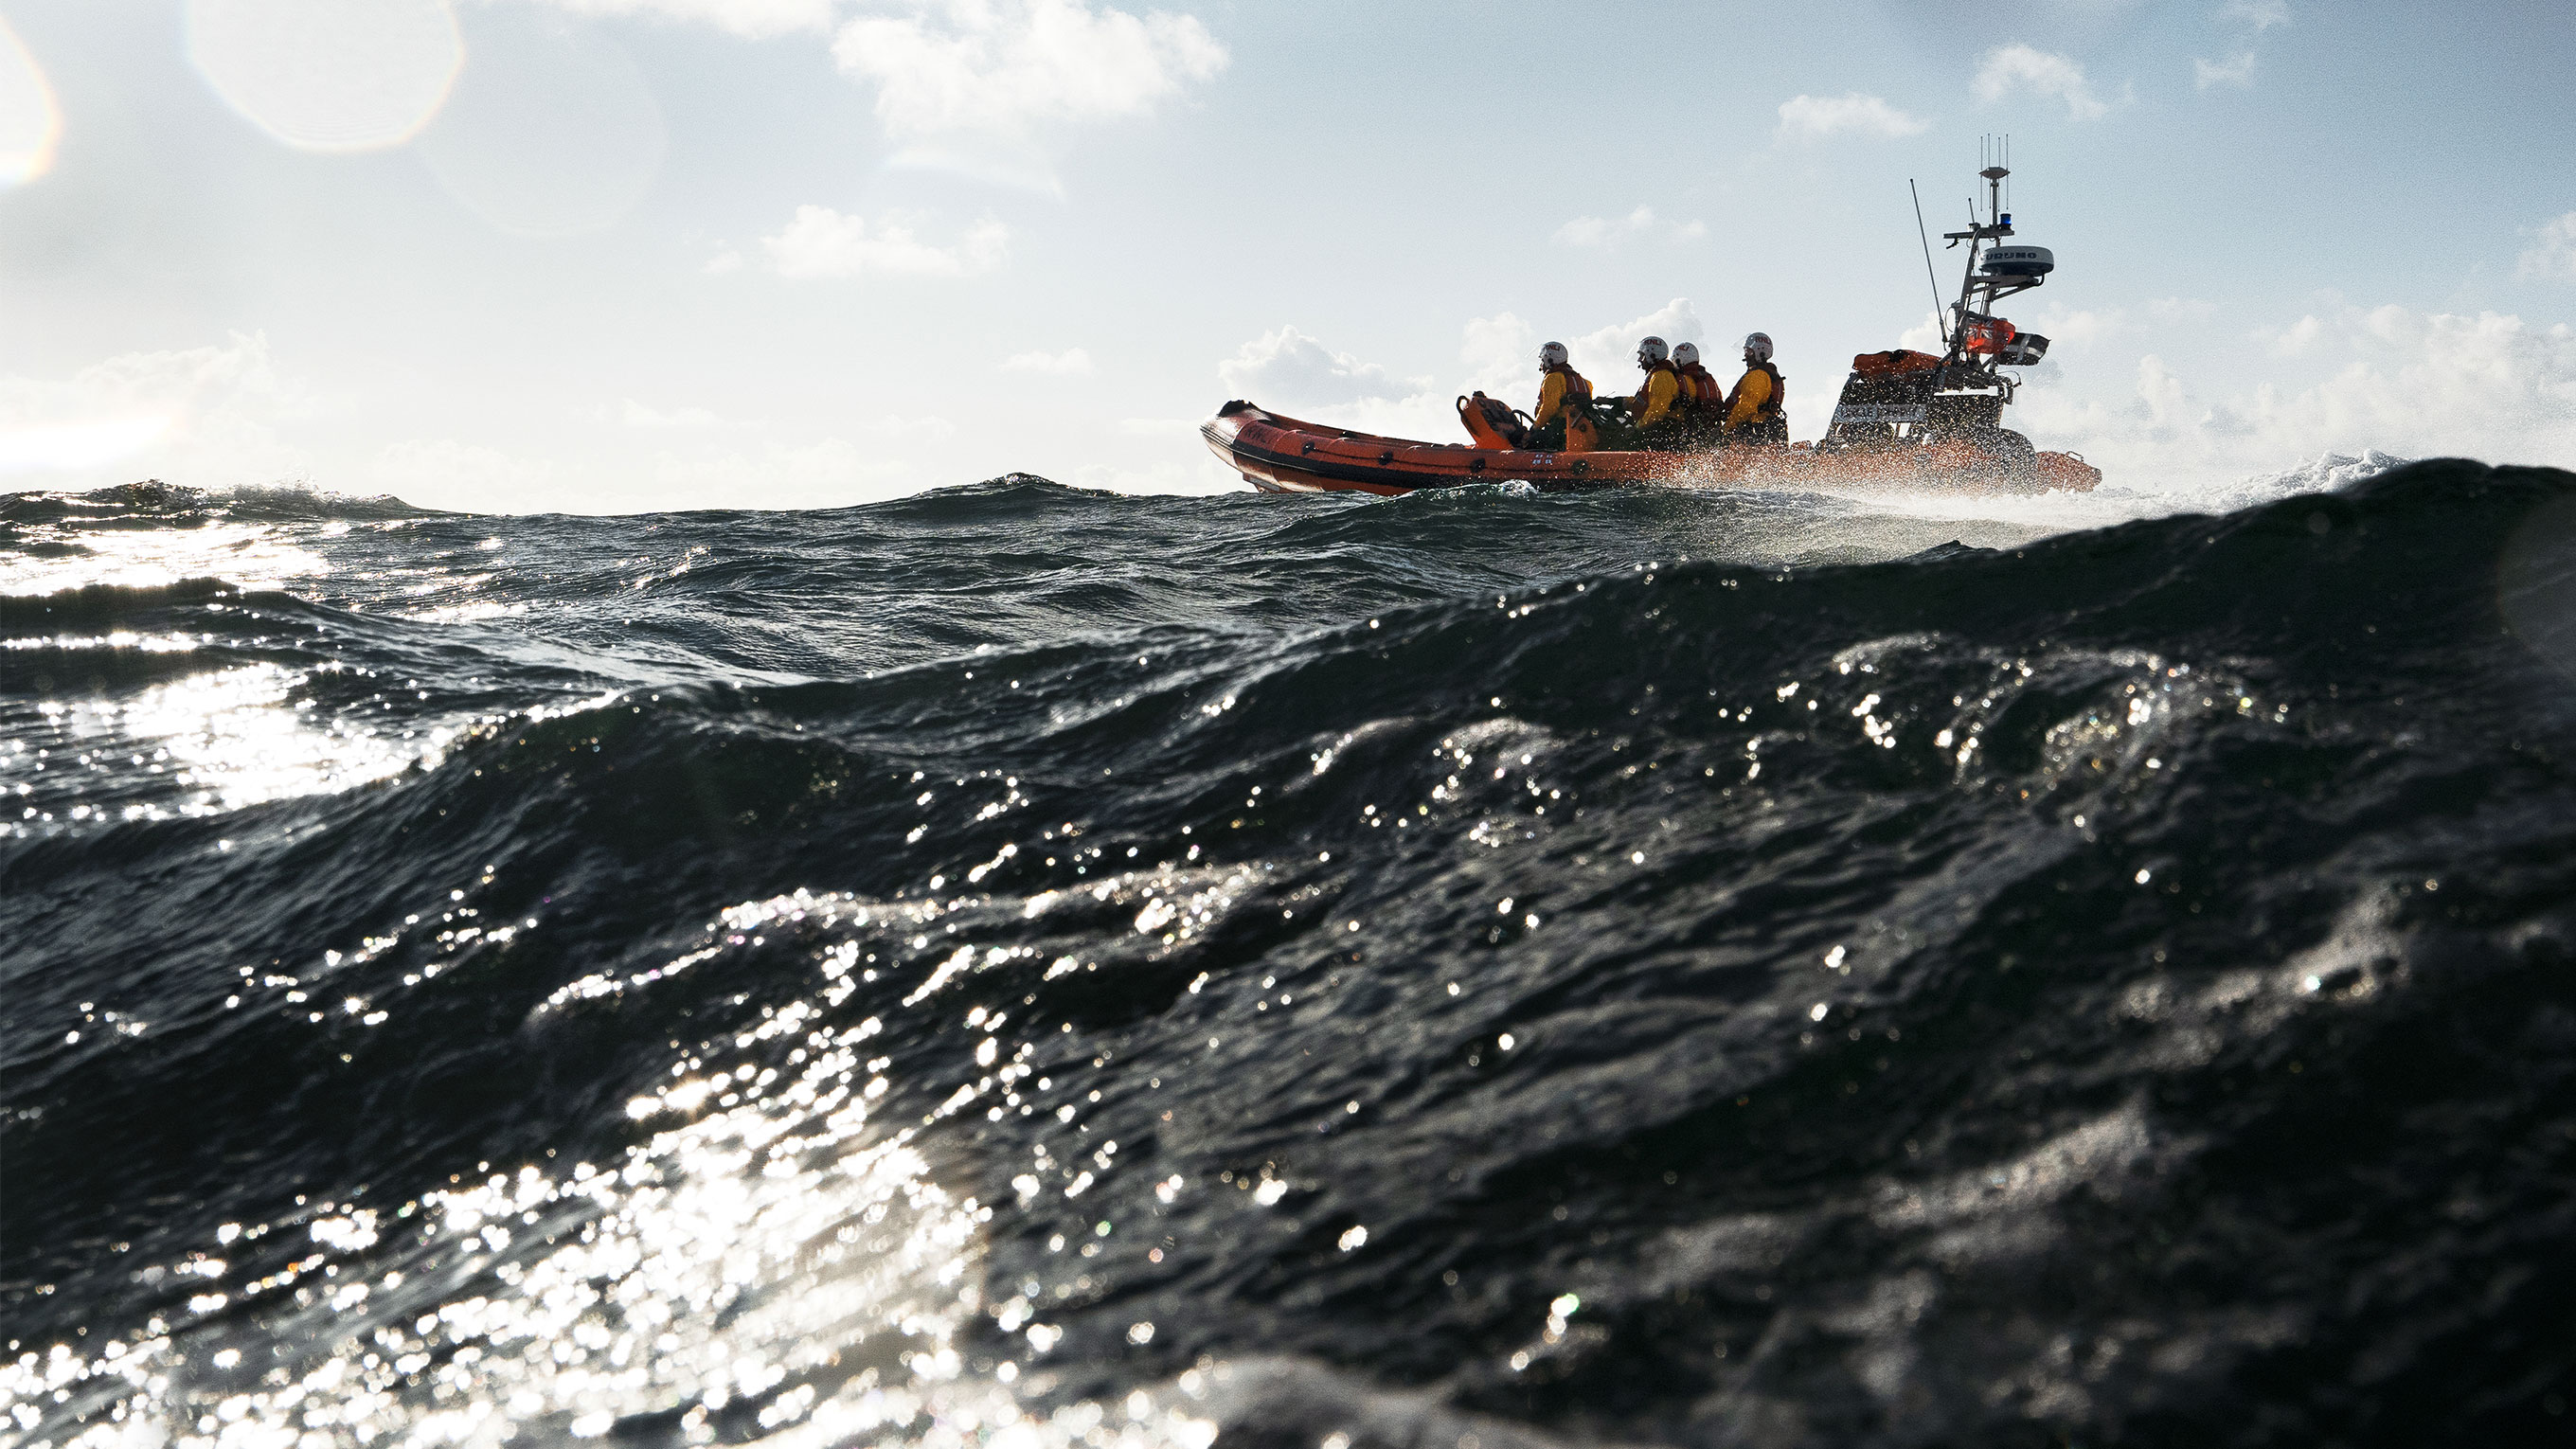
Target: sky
(629, 255)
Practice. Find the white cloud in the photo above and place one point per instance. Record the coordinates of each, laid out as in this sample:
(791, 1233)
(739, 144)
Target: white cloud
(2081, 330)
(2236, 70)
(822, 242)
(1198, 476)
(1608, 355)
(723, 262)
(982, 88)
(1159, 427)
(831, 473)
(633, 414)
(895, 425)
(1810, 118)
(2260, 14)
(1008, 68)
(1072, 362)
(206, 416)
(445, 473)
(2554, 258)
(1593, 231)
(2020, 69)
(752, 19)
(2409, 383)
(1297, 371)
(1300, 376)
(2299, 338)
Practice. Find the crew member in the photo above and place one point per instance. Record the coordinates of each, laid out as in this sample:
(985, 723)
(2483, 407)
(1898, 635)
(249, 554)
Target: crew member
(1559, 388)
(1656, 409)
(1753, 409)
(1703, 400)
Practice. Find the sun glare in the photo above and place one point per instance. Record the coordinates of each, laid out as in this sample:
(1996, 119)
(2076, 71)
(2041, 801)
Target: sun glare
(31, 124)
(329, 75)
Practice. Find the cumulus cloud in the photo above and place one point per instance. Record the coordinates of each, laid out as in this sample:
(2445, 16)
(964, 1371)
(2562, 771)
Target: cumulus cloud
(2260, 14)
(1072, 362)
(823, 243)
(1298, 371)
(2554, 257)
(2022, 70)
(1594, 231)
(1008, 68)
(1498, 356)
(1811, 118)
(1192, 476)
(829, 473)
(446, 473)
(896, 425)
(1608, 355)
(2415, 384)
(753, 19)
(2236, 70)
(633, 414)
(2299, 338)
(980, 86)
(205, 416)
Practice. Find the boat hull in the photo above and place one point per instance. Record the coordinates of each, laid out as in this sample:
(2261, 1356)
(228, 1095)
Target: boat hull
(1284, 455)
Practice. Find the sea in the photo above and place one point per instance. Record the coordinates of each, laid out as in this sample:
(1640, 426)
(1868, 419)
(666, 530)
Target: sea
(1019, 967)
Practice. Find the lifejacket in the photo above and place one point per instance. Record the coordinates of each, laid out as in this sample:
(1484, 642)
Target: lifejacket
(1561, 386)
(1742, 411)
(1700, 389)
(1644, 411)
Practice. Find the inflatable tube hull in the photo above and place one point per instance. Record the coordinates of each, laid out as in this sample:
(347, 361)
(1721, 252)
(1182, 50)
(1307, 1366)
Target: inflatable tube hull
(1284, 455)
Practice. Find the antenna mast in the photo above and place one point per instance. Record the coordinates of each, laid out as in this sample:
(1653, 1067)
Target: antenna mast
(1929, 275)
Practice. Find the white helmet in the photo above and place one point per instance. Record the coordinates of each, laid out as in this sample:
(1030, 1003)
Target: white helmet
(1686, 355)
(1552, 355)
(1759, 344)
(1650, 352)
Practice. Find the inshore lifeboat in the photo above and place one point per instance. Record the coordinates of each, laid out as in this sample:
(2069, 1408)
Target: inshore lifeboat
(1905, 420)
(1285, 455)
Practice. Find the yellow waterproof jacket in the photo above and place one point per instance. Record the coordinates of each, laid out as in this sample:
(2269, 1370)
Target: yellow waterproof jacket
(1756, 397)
(1562, 385)
(1657, 400)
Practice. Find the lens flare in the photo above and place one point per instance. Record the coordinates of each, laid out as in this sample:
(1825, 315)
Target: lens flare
(333, 76)
(31, 124)
(554, 131)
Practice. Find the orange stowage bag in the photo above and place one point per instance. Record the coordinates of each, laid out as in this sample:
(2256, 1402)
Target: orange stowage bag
(1580, 435)
(1992, 334)
(1490, 422)
(1891, 363)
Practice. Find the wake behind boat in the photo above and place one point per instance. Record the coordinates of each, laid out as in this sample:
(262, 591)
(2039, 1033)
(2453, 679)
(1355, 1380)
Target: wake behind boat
(1905, 419)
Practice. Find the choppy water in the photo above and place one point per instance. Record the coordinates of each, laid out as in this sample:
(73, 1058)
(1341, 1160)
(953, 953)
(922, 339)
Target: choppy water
(1021, 966)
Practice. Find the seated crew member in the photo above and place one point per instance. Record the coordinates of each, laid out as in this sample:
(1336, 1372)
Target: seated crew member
(1703, 401)
(1559, 388)
(1656, 410)
(1753, 409)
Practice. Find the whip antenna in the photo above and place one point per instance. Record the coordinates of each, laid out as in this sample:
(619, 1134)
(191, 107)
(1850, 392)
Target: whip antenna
(1928, 274)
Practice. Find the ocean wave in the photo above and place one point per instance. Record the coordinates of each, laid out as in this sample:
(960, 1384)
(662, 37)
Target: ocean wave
(1525, 969)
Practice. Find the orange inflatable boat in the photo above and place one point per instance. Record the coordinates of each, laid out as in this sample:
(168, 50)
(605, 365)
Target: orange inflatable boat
(1905, 420)
(1285, 455)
